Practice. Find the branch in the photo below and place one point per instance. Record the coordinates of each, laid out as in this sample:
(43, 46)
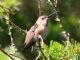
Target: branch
(42, 51)
(17, 56)
(39, 6)
(6, 54)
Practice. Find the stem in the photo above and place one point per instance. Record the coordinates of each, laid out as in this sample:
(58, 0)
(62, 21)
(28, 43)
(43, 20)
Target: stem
(6, 54)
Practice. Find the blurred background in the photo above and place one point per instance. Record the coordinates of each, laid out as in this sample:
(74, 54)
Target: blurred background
(17, 16)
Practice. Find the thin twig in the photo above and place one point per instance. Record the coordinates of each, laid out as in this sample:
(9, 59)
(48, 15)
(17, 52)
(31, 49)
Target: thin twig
(7, 18)
(9, 11)
(42, 51)
(18, 27)
(17, 56)
(39, 7)
(38, 56)
(6, 54)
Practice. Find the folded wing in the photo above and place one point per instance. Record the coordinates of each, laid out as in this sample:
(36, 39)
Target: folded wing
(30, 35)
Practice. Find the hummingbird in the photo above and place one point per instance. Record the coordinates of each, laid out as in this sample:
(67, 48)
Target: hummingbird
(38, 31)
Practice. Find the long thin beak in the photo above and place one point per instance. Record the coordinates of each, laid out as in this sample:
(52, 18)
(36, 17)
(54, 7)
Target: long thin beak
(52, 14)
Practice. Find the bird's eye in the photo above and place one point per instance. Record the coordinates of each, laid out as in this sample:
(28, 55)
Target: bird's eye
(44, 18)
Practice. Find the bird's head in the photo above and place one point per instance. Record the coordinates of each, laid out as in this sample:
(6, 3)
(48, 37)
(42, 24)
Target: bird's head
(42, 20)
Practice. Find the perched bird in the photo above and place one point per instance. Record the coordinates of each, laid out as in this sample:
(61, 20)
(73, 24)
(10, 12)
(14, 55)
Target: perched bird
(38, 31)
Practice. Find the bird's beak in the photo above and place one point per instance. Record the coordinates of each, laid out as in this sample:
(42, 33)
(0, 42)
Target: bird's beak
(50, 15)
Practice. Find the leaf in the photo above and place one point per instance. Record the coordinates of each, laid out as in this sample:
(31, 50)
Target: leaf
(3, 56)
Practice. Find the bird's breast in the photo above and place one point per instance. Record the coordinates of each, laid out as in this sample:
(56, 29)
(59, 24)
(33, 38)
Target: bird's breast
(39, 30)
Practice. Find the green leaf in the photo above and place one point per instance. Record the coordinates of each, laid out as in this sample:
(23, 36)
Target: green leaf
(3, 56)
(9, 3)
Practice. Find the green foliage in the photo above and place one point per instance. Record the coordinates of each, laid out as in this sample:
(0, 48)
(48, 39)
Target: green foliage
(71, 24)
(9, 3)
(57, 51)
(53, 52)
(3, 56)
(70, 19)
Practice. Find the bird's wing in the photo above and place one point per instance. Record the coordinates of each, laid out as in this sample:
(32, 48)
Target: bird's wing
(30, 35)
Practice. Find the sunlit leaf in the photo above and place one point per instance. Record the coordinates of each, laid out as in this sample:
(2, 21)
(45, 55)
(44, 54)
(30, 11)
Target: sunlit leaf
(3, 56)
